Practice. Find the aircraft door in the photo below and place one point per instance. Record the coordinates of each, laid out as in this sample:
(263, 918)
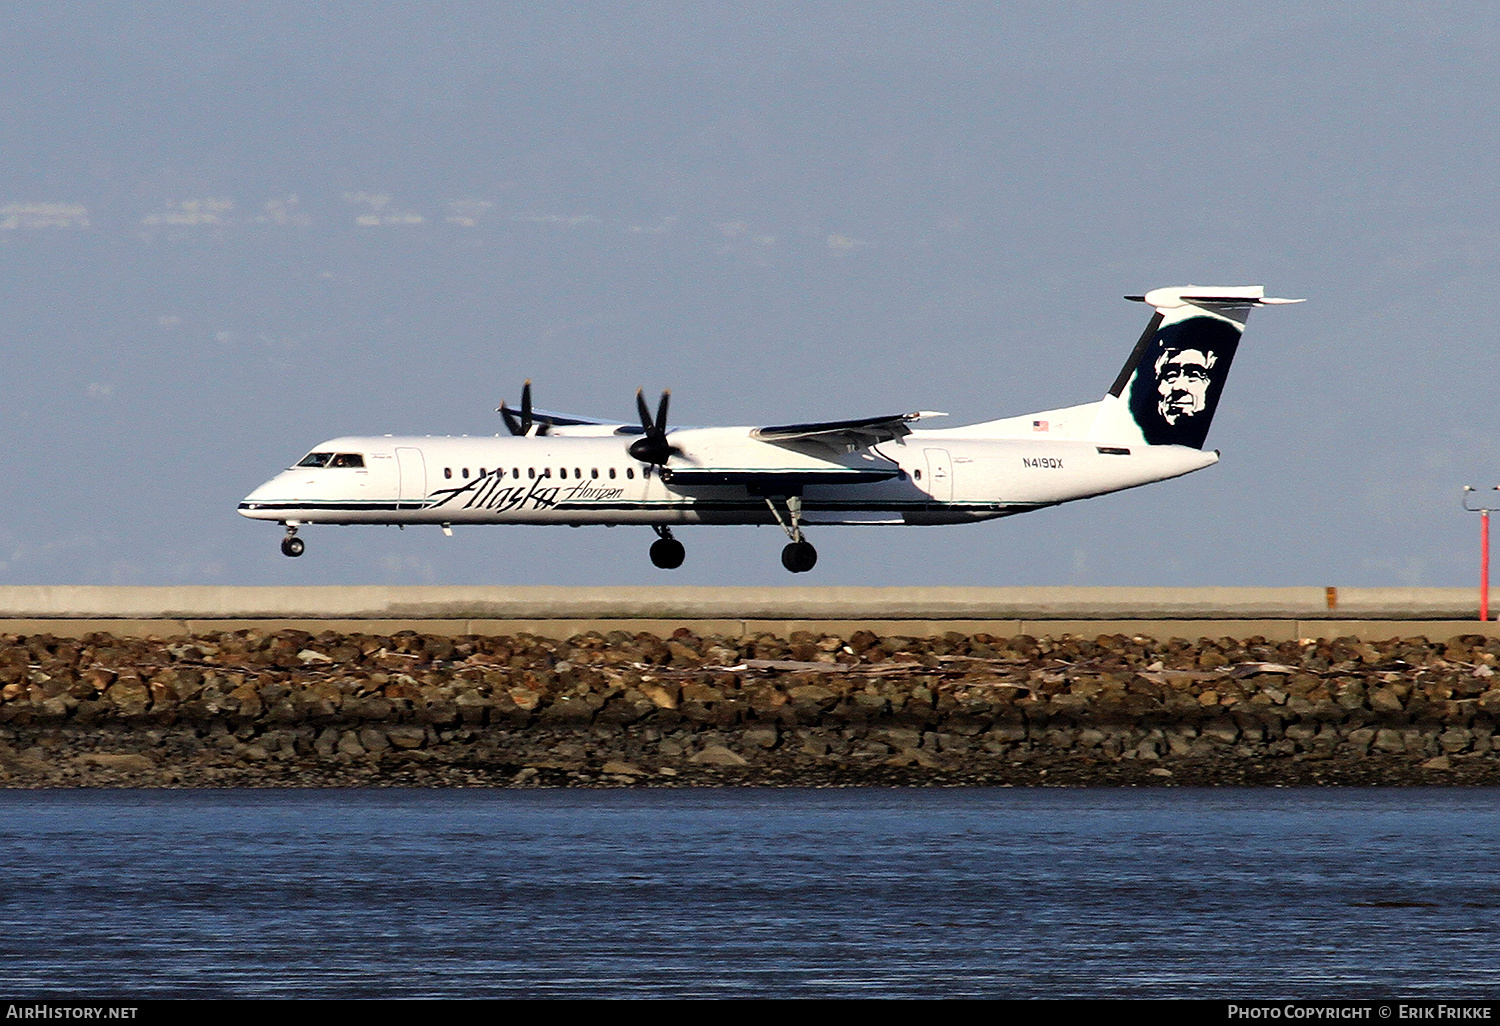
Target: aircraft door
(939, 475)
(411, 474)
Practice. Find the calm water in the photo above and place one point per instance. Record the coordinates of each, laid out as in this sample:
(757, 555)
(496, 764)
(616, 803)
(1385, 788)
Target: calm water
(1150, 893)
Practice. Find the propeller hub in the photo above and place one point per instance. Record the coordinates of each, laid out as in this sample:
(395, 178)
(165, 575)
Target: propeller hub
(651, 450)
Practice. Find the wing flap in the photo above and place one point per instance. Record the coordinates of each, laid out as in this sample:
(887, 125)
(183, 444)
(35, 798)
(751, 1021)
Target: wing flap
(775, 480)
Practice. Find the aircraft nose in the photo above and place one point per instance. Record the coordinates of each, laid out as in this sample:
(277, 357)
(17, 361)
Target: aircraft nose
(252, 504)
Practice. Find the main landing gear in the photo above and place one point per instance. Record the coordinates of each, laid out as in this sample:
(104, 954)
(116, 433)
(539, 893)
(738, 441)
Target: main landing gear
(799, 556)
(291, 545)
(667, 552)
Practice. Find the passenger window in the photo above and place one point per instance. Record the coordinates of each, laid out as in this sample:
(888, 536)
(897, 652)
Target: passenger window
(531, 472)
(917, 474)
(466, 473)
(448, 472)
(316, 459)
(594, 472)
(646, 471)
(481, 471)
(611, 473)
(577, 473)
(630, 473)
(515, 472)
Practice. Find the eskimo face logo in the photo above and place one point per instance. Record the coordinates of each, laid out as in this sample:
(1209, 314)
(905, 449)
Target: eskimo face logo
(1182, 381)
(1175, 387)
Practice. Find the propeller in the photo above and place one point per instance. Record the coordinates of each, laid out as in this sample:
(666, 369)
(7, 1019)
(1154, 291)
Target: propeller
(525, 425)
(653, 447)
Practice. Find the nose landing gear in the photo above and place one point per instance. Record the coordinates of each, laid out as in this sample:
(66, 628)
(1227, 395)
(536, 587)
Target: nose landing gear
(667, 552)
(291, 545)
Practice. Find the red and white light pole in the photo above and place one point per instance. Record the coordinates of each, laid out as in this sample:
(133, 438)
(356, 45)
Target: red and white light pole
(1484, 550)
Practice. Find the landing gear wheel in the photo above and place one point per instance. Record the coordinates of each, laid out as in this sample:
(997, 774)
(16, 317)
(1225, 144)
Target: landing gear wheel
(667, 553)
(799, 557)
(293, 547)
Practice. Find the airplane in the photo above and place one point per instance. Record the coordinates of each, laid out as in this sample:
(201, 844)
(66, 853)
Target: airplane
(557, 469)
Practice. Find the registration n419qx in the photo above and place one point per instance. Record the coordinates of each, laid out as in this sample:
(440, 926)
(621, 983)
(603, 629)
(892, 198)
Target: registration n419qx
(555, 469)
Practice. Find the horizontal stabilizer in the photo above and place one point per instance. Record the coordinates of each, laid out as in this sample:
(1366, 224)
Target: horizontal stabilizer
(1199, 295)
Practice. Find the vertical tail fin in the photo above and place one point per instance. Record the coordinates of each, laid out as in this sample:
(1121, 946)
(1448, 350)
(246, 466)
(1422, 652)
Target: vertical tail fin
(1168, 390)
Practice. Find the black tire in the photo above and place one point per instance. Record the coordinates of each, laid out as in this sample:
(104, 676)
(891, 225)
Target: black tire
(667, 553)
(293, 547)
(799, 557)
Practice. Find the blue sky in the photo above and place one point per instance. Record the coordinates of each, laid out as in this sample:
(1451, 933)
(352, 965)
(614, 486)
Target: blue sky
(230, 231)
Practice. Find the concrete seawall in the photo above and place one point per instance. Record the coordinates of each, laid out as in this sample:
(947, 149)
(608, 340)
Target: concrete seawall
(1276, 614)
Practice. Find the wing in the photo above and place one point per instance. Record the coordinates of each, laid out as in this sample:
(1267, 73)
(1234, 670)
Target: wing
(842, 435)
(839, 436)
(554, 419)
(571, 425)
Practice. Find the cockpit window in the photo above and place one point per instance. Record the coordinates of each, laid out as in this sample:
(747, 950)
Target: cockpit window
(330, 459)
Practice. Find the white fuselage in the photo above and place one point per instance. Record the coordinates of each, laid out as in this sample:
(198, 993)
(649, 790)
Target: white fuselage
(935, 477)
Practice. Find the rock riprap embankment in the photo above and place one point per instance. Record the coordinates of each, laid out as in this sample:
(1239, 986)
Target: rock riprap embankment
(295, 709)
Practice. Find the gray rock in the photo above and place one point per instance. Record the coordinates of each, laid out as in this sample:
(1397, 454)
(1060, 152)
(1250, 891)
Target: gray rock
(1387, 740)
(718, 755)
(1179, 745)
(627, 769)
(897, 737)
(327, 742)
(761, 737)
(1091, 738)
(372, 739)
(914, 757)
(1419, 742)
(1301, 733)
(406, 736)
(125, 763)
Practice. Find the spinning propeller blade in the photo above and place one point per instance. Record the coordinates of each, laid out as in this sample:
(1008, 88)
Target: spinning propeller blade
(524, 425)
(653, 447)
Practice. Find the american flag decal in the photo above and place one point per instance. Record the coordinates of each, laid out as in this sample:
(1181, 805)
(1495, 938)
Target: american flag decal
(1039, 425)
